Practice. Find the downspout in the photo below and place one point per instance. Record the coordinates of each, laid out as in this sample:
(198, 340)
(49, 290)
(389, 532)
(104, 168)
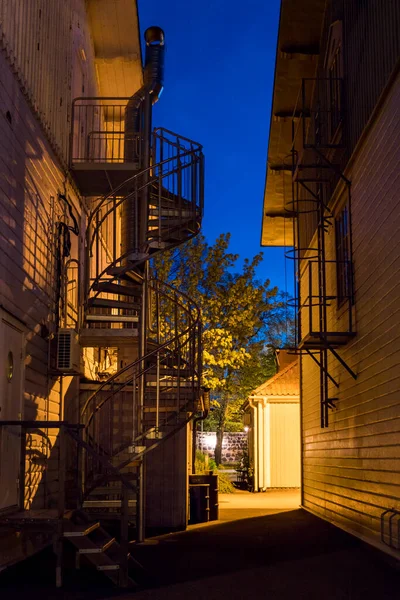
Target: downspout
(137, 142)
(267, 443)
(153, 76)
(255, 444)
(204, 415)
(261, 440)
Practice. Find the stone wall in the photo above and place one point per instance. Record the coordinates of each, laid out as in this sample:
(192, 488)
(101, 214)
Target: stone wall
(232, 446)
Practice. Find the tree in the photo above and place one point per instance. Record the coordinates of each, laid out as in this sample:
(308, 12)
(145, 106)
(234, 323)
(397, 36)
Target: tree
(241, 316)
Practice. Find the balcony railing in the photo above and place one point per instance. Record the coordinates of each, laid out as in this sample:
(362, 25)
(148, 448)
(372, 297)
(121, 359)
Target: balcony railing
(325, 317)
(98, 132)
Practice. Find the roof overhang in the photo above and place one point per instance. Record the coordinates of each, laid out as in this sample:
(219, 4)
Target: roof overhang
(296, 58)
(271, 399)
(116, 39)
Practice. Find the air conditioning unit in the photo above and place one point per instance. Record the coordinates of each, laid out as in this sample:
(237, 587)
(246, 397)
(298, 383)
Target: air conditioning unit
(68, 352)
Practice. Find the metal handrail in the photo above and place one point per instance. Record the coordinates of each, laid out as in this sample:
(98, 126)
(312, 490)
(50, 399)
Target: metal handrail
(165, 346)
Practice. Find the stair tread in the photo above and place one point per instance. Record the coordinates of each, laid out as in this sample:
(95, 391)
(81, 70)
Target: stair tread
(106, 503)
(111, 303)
(171, 212)
(116, 288)
(106, 491)
(112, 318)
(86, 546)
(74, 531)
(170, 383)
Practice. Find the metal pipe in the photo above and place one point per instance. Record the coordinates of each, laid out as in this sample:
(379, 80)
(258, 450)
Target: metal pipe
(138, 126)
(261, 483)
(255, 446)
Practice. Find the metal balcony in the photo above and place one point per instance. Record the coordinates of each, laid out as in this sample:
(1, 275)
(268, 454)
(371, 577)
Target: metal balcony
(325, 320)
(98, 160)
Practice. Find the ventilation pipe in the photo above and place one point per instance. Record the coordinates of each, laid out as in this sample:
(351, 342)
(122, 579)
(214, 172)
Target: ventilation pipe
(153, 77)
(137, 145)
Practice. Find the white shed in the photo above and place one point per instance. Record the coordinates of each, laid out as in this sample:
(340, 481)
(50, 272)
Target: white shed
(272, 414)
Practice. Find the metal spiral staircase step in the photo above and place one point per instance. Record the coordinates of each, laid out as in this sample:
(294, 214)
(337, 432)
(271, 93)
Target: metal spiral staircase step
(113, 318)
(111, 303)
(99, 338)
(106, 491)
(106, 503)
(115, 288)
(170, 212)
(128, 271)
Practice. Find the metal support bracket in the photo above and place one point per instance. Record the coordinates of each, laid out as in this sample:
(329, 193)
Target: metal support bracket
(335, 383)
(342, 362)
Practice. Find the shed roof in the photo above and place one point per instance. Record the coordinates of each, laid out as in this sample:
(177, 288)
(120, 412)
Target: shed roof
(284, 383)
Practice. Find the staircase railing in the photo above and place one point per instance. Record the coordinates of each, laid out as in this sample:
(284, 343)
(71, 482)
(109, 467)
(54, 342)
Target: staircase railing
(172, 363)
(175, 184)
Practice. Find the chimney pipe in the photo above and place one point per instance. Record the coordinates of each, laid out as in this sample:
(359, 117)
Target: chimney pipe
(153, 76)
(137, 140)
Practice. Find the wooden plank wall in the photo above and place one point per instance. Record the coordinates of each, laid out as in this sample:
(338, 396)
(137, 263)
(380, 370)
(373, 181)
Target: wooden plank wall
(44, 41)
(30, 180)
(351, 471)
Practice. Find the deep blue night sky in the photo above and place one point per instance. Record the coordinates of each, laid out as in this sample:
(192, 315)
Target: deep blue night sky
(219, 69)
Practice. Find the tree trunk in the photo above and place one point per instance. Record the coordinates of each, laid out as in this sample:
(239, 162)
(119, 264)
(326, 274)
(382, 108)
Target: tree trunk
(218, 445)
(221, 431)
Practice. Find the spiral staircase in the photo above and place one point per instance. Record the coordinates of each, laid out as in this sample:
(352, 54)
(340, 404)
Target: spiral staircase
(158, 391)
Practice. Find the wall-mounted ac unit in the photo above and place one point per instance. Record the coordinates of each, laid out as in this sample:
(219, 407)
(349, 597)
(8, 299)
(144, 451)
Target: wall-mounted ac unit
(68, 351)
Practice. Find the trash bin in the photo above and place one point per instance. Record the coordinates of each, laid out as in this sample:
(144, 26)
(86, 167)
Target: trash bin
(211, 481)
(199, 502)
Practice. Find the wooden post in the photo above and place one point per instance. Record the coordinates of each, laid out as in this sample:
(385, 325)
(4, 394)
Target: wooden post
(140, 508)
(22, 467)
(124, 535)
(79, 470)
(58, 541)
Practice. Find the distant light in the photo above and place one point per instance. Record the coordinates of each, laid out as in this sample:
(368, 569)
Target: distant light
(246, 429)
(83, 54)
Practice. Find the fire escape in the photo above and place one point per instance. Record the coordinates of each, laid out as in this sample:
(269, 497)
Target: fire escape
(144, 192)
(324, 309)
(151, 187)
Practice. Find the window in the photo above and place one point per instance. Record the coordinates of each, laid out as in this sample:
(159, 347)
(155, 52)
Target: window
(334, 72)
(343, 257)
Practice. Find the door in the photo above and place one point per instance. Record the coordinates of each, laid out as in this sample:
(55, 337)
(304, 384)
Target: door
(11, 378)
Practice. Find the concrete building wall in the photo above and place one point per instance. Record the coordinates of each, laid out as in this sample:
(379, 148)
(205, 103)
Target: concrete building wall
(351, 470)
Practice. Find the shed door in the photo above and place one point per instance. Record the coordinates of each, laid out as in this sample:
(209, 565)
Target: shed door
(11, 373)
(285, 445)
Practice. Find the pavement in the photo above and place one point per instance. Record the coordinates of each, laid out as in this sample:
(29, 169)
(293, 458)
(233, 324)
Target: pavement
(263, 546)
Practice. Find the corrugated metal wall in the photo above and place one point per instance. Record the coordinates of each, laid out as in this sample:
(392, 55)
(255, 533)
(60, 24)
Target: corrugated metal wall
(41, 39)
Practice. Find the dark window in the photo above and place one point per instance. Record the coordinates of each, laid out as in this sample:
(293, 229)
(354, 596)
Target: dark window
(335, 92)
(343, 257)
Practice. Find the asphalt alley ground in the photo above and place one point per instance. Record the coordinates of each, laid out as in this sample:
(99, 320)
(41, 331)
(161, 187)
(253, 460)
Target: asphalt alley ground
(282, 553)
